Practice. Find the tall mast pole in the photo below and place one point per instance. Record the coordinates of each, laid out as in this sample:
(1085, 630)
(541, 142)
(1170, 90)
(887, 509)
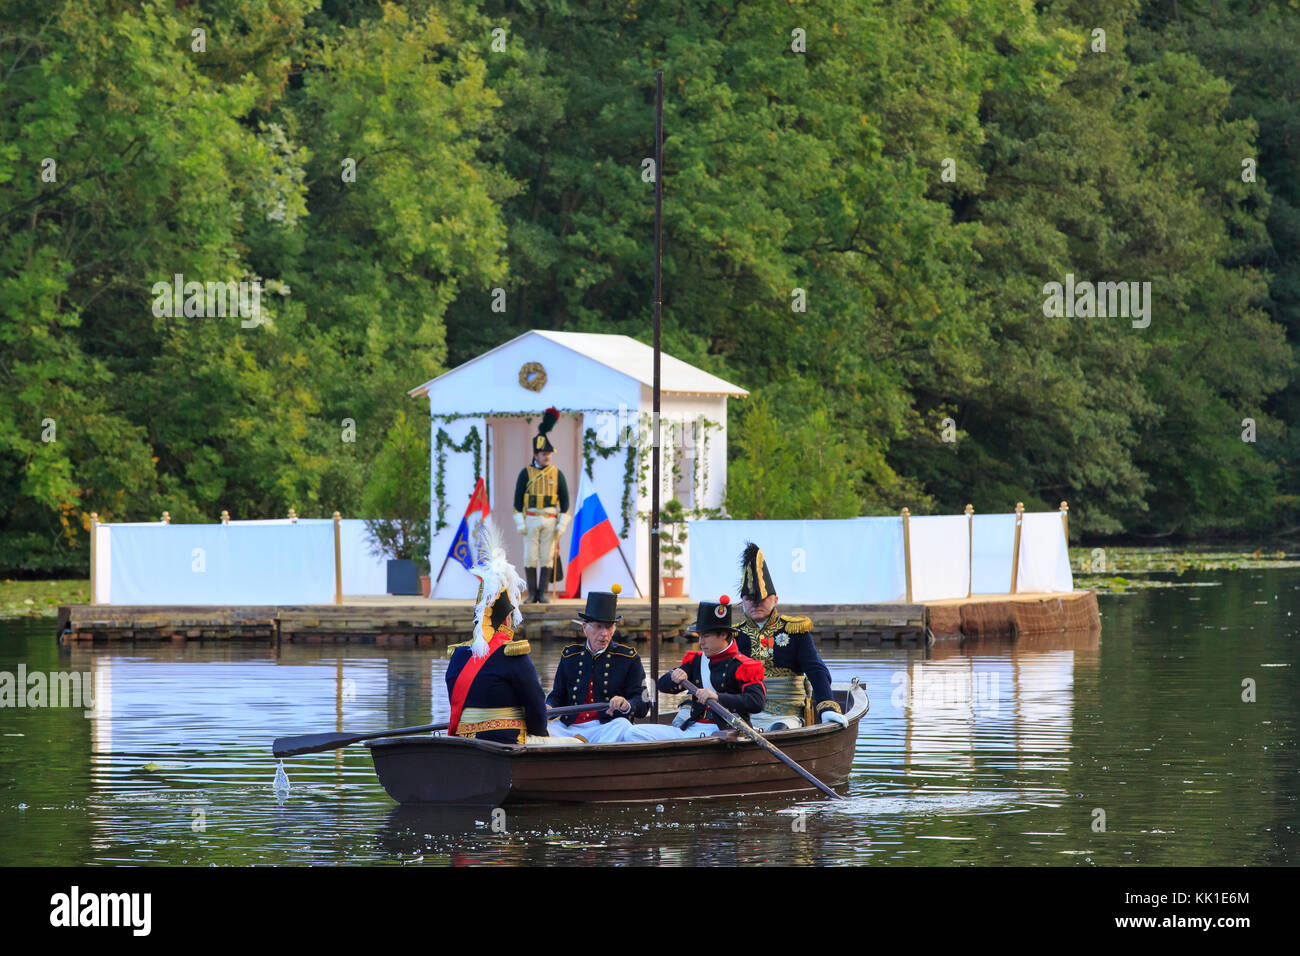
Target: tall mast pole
(654, 453)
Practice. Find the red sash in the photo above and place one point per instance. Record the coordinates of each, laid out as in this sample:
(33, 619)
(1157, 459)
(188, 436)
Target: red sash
(460, 690)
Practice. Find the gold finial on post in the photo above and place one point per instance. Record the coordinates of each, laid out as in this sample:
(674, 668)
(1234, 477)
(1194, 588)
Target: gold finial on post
(167, 517)
(1065, 520)
(907, 555)
(225, 516)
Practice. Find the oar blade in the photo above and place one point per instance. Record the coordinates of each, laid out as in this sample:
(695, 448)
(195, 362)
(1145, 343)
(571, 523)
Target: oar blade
(309, 744)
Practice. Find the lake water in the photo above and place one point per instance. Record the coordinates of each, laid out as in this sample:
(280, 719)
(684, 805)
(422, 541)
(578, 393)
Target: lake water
(1132, 746)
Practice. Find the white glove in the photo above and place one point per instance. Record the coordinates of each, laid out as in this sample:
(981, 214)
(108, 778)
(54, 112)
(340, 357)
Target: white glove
(563, 523)
(519, 521)
(831, 717)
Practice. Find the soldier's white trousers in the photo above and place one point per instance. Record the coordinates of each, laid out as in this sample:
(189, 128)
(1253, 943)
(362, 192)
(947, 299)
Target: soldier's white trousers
(539, 536)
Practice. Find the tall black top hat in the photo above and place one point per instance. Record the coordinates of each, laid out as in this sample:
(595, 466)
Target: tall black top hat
(712, 616)
(601, 607)
(755, 582)
(541, 441)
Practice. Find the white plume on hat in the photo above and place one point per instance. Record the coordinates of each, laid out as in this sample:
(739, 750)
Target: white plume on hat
(496, 574)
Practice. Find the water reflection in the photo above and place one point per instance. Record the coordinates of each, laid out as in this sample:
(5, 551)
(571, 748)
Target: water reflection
(974, 753)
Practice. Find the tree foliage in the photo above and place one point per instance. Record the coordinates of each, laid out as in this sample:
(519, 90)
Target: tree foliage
(859, 230)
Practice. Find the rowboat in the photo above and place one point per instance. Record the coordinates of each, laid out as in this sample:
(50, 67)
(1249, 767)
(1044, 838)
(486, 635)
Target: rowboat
(467, 772)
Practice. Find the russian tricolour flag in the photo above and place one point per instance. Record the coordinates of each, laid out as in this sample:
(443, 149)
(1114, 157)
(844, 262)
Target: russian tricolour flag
(593, 536)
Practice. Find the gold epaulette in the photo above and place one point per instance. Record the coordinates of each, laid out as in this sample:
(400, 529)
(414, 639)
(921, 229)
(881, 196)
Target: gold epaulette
(451, 648)
(828, 705)
(515, 648)
(622, 650)
(798, 624)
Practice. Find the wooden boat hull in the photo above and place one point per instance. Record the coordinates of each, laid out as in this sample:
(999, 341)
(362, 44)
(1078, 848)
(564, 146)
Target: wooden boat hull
(457, 771)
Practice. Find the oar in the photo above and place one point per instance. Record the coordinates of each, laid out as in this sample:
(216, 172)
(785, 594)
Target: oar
(735, 723)
(316, 743)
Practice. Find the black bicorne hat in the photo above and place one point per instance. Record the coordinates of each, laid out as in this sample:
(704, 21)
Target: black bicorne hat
(602, 607)
(541, 441)
(712, 616)
(755, 582)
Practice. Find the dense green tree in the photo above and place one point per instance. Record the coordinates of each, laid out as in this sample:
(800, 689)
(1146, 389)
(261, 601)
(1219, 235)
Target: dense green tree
(864, 203)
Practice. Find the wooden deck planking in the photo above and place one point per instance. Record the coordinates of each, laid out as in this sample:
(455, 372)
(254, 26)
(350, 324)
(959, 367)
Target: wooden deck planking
(396, 620)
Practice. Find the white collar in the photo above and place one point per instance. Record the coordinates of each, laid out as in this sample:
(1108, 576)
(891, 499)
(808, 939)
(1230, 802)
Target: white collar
(598, 653)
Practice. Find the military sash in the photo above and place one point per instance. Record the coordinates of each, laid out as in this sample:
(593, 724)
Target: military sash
(460, 690)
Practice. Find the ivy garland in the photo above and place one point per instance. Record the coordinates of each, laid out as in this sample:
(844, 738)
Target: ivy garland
(473, 441)
(591, 448)
(629, 474)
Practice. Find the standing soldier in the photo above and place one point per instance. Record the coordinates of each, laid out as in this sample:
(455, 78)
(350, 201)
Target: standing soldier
(784, 646)
(541, 509)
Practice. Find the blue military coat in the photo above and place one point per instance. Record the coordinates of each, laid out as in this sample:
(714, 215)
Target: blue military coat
(617, 672)
(737, 679)
(785, 644)
(506, 679)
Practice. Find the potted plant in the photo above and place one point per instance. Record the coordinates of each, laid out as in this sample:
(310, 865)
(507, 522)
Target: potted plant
(672, 535)
(397, 493)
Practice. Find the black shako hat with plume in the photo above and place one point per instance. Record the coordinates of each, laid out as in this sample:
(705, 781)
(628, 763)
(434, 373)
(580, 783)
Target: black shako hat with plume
(541, 441)
(755, 583)
(712, 616)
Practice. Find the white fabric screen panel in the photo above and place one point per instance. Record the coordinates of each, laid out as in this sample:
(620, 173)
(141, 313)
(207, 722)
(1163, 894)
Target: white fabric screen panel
(1044, 558)
(850, 561)
(940, 552)
(993, 543)
(278, 564)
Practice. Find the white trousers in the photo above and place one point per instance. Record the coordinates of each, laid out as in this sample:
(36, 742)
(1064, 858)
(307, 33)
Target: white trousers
(647, 732)
(539, 537)
(595, 732)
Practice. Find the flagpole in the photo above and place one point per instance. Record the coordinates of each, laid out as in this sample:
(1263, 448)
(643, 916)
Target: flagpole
(654, 453)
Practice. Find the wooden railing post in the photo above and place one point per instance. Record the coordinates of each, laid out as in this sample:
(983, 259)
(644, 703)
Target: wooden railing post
(94, 547)
(907, 556)
(970, 547)
(1015, 548)
(338, 561)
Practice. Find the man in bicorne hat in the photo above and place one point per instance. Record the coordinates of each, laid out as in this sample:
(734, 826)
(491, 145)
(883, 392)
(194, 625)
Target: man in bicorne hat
(720, 672)
(493, 687)
(784, 646)
(599, 669)
(541, 509)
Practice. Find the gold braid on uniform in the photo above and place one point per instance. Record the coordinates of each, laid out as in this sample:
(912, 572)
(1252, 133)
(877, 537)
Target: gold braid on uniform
(515, 648)
(828, 705)
(505, 627)
(798, 624)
